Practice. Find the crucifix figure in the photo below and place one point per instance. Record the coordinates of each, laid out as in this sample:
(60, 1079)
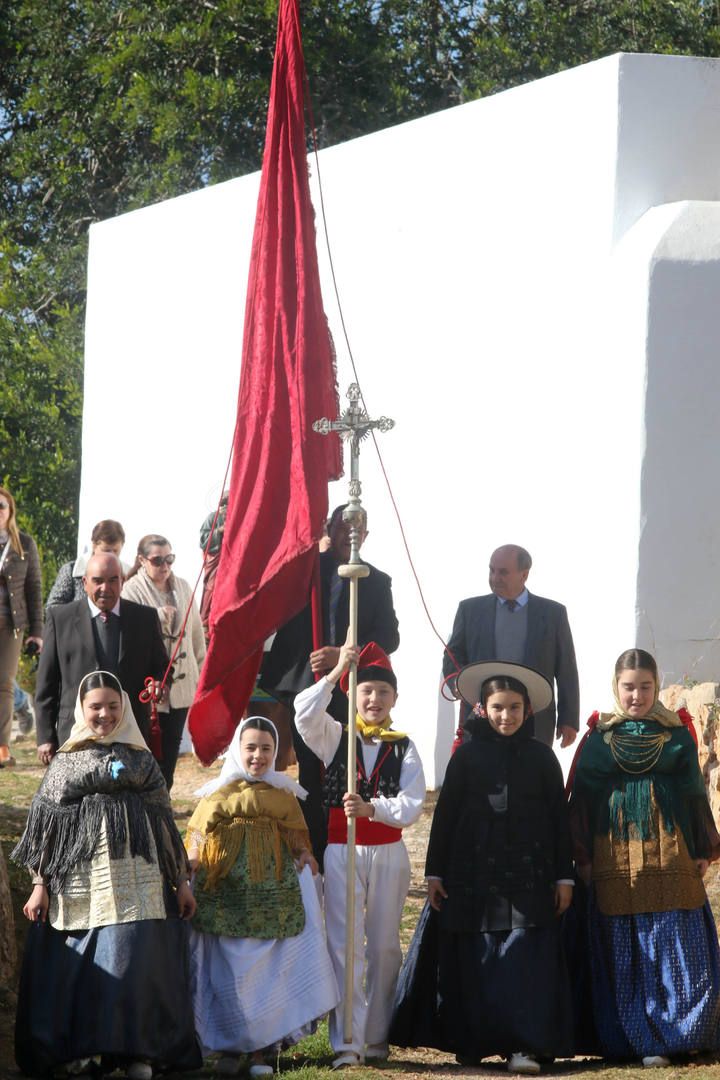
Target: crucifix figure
(353, 426)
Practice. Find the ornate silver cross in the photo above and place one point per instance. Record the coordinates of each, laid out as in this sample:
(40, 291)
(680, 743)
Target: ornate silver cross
(354, 425)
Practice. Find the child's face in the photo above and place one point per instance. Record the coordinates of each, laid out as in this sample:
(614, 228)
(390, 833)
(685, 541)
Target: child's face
(257, 750)
(636, 691)
(505, 711)
(102, 710)
(375, 699)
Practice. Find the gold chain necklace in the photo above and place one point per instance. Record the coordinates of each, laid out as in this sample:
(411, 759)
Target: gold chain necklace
(636, 753)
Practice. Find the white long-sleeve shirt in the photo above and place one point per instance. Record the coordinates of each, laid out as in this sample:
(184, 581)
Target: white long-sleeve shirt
(322, 735)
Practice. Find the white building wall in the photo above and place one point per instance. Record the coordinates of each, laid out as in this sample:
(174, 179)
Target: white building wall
(498, 309)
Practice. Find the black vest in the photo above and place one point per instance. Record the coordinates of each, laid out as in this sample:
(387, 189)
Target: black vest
(384, 779)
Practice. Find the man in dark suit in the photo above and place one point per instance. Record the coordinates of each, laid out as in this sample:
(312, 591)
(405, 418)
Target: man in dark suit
(99, 632)
(293, 663)
(512, 624)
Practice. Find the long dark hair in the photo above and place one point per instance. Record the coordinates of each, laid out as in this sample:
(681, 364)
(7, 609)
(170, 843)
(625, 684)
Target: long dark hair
(99, 680)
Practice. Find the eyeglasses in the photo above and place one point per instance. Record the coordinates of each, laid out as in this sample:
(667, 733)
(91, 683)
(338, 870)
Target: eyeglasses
(158, 560)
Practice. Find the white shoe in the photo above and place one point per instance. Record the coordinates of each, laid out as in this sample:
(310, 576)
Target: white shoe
(376, 1052)
(261, 1070)
(227, 1065)
(139, 1070)
(656, 1061)
(525, 1064)
(346, 1060)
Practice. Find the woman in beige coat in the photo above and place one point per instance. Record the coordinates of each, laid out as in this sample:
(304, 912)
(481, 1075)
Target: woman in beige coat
(152, 582)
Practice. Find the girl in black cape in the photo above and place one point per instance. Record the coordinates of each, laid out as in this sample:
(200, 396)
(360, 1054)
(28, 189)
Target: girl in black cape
(486, 973)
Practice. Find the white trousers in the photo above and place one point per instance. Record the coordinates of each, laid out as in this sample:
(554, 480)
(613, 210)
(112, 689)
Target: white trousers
(382, 880)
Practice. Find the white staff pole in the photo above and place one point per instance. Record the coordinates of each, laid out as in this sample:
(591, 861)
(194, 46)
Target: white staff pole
(353, 425)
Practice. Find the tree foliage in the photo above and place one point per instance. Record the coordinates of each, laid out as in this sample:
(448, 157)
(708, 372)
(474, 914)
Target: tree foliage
(108, 105)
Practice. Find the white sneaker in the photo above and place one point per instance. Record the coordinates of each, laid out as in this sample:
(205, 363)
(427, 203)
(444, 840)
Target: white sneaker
(656, 1061)
(139, 1070)
(525, 1064)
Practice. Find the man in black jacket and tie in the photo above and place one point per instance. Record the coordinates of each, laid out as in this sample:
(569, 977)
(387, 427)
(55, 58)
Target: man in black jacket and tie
(99, 632)
(514, 625)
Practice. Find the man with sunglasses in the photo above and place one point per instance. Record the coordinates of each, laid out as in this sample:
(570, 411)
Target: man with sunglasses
(99, 632)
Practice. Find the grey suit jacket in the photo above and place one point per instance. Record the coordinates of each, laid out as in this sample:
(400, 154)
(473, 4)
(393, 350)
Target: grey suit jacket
(549, 649)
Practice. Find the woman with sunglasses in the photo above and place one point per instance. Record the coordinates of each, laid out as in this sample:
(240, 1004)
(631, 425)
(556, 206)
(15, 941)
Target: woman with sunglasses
(152, 582)
(20, 610)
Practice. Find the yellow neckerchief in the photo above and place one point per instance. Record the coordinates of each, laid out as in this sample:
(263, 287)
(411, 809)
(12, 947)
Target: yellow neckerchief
(658, 712)
(377, 731)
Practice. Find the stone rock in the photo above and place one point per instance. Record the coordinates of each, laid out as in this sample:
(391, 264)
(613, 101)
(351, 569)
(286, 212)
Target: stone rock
(702, 701)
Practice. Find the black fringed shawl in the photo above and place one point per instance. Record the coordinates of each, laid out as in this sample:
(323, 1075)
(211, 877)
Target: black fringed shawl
(118, 784)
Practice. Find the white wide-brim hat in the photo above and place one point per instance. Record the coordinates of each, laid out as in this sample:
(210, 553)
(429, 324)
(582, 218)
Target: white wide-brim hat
(471, 678)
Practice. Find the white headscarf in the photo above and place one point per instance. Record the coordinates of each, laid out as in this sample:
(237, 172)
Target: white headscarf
(233, 768)
(125, 731)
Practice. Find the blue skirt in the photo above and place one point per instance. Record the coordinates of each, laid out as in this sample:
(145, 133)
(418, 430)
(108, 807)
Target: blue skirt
(655, 982)
(120, 992)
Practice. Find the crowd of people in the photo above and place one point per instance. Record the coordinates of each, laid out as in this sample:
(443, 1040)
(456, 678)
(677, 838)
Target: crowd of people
(557, 921)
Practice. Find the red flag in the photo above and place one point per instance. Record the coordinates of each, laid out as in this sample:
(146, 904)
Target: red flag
(281, 467)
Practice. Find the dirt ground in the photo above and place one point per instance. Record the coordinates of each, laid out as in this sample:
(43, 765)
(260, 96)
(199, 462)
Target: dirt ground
(16, 789)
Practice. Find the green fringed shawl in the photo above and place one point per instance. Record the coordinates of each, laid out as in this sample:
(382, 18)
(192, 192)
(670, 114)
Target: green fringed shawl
(622, 804)
(118, 785)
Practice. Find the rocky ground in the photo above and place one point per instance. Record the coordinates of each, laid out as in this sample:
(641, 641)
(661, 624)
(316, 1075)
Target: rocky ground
(309, 1061)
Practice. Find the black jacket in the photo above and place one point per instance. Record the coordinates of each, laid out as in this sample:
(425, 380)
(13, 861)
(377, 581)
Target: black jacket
(500, 837)
(286, 669)
(69, 654)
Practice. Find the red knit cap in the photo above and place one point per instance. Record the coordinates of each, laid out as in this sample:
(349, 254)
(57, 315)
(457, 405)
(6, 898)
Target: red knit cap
(374, 663)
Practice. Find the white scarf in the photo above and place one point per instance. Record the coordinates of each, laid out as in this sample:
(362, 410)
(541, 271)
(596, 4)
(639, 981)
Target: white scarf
(233, 768)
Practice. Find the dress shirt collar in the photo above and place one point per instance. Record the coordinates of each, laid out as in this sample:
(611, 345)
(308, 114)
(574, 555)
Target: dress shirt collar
(520, 600)
(95, 610)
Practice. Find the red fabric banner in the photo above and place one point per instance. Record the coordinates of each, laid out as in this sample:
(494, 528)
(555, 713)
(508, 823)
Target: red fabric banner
(281, 467)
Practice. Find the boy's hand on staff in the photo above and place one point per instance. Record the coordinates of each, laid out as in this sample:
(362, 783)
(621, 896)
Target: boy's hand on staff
(563, 897)
(355, 806)
(36, 908)
(436, 893)
(306, 858)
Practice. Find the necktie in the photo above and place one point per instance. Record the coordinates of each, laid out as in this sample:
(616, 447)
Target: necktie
(511, 605)
(335, 590)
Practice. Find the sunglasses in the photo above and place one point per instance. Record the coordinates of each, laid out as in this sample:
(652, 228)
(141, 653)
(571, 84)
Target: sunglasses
(158, 560)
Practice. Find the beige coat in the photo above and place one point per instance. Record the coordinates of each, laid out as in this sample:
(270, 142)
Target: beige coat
(190, 656)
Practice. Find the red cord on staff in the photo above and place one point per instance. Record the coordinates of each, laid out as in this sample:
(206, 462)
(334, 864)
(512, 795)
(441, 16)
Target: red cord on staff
(149, 694)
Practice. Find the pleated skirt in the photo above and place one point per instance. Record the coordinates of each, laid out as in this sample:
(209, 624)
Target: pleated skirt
(120, 992)
(250, 994)
(655, 982)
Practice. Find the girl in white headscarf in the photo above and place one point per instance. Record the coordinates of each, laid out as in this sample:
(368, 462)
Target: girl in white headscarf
(261, 974)
(105, 968)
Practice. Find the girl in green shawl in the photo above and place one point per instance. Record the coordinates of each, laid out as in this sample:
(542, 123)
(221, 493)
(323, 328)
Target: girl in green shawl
(643, 837)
